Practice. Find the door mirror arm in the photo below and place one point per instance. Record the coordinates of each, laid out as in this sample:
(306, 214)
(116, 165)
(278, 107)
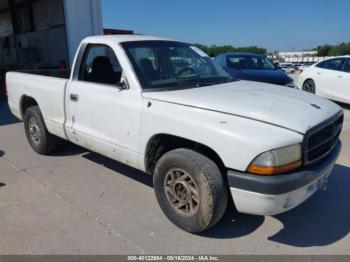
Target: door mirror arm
(123, 85)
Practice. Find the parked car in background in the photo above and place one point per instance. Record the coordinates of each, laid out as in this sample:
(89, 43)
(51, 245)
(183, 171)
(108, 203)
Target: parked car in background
(287, 68)
(329, 78)
(253, 67)
(302, 67)
(298, 68)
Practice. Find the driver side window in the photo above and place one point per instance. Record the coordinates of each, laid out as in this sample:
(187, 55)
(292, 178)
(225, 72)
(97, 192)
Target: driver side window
(100, 65)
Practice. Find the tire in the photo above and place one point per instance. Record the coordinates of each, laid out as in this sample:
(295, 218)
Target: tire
(38, 137)
(176, 174)
(309, 86)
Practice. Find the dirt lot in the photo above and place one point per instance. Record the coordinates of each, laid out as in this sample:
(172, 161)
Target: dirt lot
(77, 202)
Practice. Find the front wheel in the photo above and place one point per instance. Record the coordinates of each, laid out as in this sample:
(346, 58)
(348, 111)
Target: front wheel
(309, 86)
(190, 190)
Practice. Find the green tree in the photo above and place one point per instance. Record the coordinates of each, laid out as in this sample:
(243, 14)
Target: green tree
(215, 50)
(334, 50)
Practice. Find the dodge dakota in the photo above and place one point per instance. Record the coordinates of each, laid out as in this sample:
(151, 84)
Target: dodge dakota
(164, 107)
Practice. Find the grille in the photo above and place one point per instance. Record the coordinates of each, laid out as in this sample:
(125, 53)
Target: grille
(322, 140)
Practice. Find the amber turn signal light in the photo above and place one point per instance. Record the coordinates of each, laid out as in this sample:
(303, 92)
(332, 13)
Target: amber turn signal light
(273, 170)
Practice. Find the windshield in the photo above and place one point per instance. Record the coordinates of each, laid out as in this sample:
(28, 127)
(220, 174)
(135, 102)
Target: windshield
(250, 62)
(168, 64)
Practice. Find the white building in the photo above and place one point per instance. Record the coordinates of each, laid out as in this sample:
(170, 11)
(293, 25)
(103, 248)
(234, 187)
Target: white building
(297, 57)
(296, 54)
(45, 33)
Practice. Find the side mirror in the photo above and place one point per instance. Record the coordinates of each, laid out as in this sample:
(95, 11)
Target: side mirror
(123, 85)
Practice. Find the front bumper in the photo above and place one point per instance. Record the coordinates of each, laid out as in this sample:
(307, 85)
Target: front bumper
(271, 195)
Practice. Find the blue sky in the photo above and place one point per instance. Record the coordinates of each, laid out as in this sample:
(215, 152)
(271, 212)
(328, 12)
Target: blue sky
(273, 24)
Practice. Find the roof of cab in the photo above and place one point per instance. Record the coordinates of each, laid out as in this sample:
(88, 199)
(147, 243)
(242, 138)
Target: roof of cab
(125, 38)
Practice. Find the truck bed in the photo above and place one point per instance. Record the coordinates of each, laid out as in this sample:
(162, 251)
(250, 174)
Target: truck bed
(58, 73)
(47, 88)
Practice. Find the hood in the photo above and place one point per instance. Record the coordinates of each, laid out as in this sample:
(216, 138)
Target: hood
(285, 107)
(277, 77)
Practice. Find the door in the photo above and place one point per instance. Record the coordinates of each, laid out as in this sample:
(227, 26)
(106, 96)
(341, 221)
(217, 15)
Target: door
(343, 83)
(103, 116)
(326, 74)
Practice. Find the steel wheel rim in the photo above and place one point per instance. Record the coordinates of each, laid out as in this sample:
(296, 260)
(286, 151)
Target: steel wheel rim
(182, 192)
(34, 131)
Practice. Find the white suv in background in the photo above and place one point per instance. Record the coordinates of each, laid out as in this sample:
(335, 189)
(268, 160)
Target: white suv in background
(329, 78)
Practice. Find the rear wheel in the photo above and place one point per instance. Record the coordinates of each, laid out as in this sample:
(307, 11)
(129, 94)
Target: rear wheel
(190, 190)
(309, 86)
(38, 137)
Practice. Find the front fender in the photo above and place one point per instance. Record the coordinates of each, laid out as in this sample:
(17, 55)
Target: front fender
(236, 140)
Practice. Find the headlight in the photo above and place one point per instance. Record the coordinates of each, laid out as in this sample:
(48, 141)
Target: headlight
(277, 161)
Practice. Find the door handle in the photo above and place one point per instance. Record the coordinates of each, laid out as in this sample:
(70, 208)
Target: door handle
(318, 73)
(340, 76)
(74, 97)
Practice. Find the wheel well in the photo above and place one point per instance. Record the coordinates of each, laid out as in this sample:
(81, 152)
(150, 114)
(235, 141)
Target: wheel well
(307, 80)
(27, 102)
(160, 144)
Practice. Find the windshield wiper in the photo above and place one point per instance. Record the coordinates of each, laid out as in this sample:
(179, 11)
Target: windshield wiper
(193, 84)
(199, 83)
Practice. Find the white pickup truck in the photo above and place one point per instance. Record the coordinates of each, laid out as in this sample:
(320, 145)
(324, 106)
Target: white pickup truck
(164, 107)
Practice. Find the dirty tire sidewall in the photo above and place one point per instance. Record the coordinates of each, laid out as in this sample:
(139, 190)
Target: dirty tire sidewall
(48, 142)
(211, 186)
